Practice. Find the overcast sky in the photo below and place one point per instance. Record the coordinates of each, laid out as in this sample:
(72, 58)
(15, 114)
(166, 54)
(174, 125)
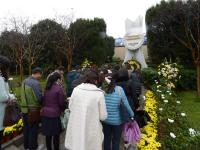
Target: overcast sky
(113, 11)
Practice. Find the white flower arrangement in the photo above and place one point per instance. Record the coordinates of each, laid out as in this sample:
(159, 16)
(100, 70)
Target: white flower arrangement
(170, 72)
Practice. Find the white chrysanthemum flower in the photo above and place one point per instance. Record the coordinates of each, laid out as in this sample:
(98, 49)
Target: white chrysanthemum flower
(166, 101)
(178, 102)
(161, 109)
(183, 114)
(192, 132)
(170, 120)
(158, 86)
(172, 135)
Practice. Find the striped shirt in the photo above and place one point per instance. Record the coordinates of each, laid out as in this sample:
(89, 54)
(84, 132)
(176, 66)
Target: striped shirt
(113, 101)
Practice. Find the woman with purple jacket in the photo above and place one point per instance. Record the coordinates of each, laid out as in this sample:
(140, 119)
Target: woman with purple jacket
(52, 106)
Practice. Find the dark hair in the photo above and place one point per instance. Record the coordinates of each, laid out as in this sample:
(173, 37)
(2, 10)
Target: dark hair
(91, 77)
(105, 71)
(52, 79)
(114, 76)
(37, 70)
(123, 75)
(128, 66)
(117, 67)
(4, 67)
(61, 68)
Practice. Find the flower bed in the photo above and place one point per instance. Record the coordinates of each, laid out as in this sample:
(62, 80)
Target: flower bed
(12, 131)
(149, 139)
(174, 129)
(170, 128)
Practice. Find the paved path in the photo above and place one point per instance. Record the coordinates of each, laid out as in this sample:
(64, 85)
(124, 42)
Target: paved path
(41, 140)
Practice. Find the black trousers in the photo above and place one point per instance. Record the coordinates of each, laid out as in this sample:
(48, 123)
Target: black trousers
(53, 140)
(112, 136)
(1, 137)
(30, 134)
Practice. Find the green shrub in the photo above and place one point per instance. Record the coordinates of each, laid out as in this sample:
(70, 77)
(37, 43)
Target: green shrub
(188, 80)
(149, 76)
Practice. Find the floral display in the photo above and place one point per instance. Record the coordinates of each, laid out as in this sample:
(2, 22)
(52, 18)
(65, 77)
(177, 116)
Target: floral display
(173, 126)
(170, 126)
(86, 64)
(149, 139)
(170, 73)
(15, 128)
(134, 64)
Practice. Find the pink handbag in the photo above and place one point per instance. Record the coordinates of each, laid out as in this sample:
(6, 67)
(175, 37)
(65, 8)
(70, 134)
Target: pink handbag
(131, 132)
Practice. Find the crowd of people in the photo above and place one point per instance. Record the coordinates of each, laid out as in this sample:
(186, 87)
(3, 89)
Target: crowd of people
(94, 97)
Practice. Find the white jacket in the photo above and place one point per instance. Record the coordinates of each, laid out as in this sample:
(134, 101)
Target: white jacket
(4, 96)
(87, 106)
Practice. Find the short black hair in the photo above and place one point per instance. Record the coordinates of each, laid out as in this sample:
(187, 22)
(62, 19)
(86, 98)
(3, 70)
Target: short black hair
(37, 70)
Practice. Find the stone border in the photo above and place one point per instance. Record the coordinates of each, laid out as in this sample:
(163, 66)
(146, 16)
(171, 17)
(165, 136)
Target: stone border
(17, 141)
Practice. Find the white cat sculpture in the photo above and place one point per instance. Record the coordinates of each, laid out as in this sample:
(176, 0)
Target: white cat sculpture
(133, 41)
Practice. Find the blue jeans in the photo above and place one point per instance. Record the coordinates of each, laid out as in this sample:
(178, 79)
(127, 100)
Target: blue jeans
(30, 133)
(112, 136)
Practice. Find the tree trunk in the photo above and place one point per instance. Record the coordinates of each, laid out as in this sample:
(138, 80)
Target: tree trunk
(16, 70)
(21, 72)
(198, 78)
(69, 60)
(69, 65)
(30, 68)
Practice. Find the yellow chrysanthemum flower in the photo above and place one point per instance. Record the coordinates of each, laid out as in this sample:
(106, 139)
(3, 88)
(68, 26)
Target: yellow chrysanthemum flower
(150, 133)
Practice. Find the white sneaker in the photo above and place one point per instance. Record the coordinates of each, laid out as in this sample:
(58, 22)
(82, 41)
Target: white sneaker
(126, 146)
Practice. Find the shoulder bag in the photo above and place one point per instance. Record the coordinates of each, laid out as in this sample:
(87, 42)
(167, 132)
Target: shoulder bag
(33, 111)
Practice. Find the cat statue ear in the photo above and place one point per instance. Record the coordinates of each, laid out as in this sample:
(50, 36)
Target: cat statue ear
(134, 40)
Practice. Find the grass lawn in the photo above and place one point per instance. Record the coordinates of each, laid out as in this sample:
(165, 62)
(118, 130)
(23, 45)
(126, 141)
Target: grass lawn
(191, 106)
(16, 85)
